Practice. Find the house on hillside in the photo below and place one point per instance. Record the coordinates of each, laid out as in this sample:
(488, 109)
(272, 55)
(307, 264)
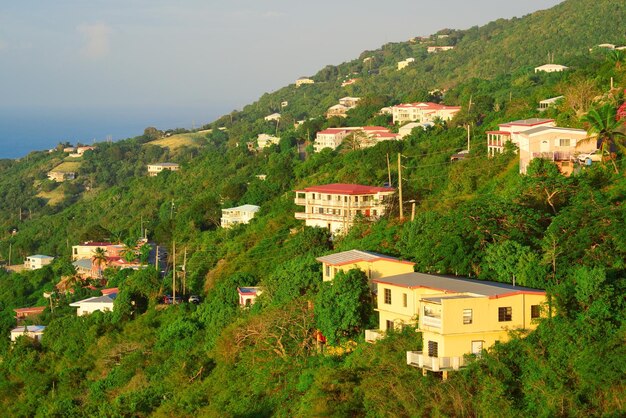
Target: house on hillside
(365, 136)
(238, 215)
(336, 206)
(80, 151)
(560, 145)
(102, 303)
(304, 80)
(422, 112)
(509, 132)
(550, 68)
(31, 331)
(265, 140)
(156, 168)
(456, 316)
(405, 130)
(435, 49)
(337, 110)
(272, 117)
(349, 82)
(37, 261)
(551, 102)
(61, 176)
(329, 138)
(405, 63)
(248, 295)
(349, 102)
(28, 313)
(374, 265)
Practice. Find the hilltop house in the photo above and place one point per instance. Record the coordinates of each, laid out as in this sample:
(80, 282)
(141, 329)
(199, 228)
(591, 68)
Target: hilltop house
(248, 295)
(37, 261)
(31, 331)
(375, 266)
(272, 117)
(510, 132)
(265, 140)
(335, 206)
(156, 168)
(304, 80)
(238, 215)
(550, 68)
(422, 112)
(102, 303)
(79, 151)
(405, 63)
(457, 316)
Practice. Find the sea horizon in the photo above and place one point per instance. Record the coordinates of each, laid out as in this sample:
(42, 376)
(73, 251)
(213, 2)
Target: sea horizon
(23, 131)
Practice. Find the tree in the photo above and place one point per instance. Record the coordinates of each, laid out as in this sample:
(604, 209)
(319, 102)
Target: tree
(604, 127)
(129, 252)
(99, 258)
(343, 307)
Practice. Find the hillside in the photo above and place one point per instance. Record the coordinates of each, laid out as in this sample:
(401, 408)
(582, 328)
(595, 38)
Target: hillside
(476, 217)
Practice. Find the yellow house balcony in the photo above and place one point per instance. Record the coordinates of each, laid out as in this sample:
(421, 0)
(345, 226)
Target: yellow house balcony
(436, 364)
(373, 335)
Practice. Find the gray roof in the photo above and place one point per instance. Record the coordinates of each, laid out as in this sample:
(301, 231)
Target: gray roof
(165, 164)
(43, 257)
(454, 284)
(351, 257)
(540, 129)
(30, 328)
(96, 299)
(531, 121)
(84, 263)
(245, 208)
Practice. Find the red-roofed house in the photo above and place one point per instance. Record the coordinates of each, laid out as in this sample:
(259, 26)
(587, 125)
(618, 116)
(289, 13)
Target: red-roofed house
(334, 206)
(368, 136)
(422, 112)
(23, 313)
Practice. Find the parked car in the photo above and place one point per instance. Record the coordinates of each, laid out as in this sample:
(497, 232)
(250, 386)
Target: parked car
(194, 299)
(594, 156)
(170, 300)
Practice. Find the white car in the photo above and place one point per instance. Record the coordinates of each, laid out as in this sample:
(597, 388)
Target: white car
(594, 156)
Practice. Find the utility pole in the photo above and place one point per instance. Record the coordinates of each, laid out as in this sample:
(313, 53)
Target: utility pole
(172, 209)
(10, 251)
(400, 185)
(185, 273)
(468, 137)
(388, 171)
(156, 260)
(174, 272)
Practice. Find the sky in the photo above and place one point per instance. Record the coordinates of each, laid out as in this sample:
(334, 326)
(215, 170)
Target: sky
(189, 61)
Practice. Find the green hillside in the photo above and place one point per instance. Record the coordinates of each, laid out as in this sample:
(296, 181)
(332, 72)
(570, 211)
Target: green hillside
(477, 217)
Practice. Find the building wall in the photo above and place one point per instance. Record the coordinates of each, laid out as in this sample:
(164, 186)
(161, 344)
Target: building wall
(89, 308)
(549, 142)
(374, 270)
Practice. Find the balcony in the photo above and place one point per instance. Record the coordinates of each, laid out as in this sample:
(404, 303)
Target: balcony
(436, 364)
(373, 335)
(554, 155)
(430, 321)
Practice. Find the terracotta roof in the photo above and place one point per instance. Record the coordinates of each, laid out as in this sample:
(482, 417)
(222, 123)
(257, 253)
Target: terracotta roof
(31, 310)
(332, 131)
(499, 132)
(375, 128)
(427, 105)
(351, 189)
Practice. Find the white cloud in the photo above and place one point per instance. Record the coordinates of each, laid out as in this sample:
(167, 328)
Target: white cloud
(97, 40)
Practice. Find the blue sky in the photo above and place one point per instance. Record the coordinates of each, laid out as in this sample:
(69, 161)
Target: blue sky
(199, 59)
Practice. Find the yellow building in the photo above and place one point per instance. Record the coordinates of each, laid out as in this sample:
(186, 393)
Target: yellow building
(376, 266)
(457, 316)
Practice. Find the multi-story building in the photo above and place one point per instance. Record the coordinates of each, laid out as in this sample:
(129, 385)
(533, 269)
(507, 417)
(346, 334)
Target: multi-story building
(422, 112)
(335, 206)
(456, 316)
(304, 80)
(238, 215)
(37, 261)
(510, 132)
(364, 136)
(375, 266)
(550, 68)
(155, 169)
(265, 140)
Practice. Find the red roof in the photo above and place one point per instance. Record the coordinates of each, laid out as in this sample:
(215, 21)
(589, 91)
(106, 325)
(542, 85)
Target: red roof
(351, 189)
(32, 310)
(96, 244)
(499, 132)
(332, 131)
(428, 105)
(109, 291)
(375, 128)
(385, 135)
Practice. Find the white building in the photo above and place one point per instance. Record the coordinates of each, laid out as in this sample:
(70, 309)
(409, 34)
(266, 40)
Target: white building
(435, 49)
(265, 140)
(304, 80)
(156, 168)
(272, 117)
(248, 295)
(544, 104)
(550, 68)
(31, 331)
(238, 215)
(335, 206)
(422, 112)
(405, 63)
(367, 136)
(406, 130)
(97, 303)
(35, 262)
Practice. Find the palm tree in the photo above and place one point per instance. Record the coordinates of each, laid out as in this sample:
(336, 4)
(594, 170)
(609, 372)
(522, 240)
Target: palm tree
(605, 129)
(129, 252)
(99, 257)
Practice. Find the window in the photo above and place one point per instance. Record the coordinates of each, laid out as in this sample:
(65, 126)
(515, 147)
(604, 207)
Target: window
(564, 142)
(505, 314)
(433, 349)
(535, 311)
(327, 271)
(389, 325)
(320, 210)
(467, 316)
(388, 296)
(405, 300)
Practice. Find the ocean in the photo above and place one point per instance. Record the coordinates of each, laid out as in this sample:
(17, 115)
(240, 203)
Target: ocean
(23, 131)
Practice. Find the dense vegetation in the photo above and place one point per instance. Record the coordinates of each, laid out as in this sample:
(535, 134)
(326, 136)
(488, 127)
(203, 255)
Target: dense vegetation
(475, 217)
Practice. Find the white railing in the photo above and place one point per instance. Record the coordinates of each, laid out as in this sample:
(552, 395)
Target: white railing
(372, 335)
(429, 321)
(435, 364)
